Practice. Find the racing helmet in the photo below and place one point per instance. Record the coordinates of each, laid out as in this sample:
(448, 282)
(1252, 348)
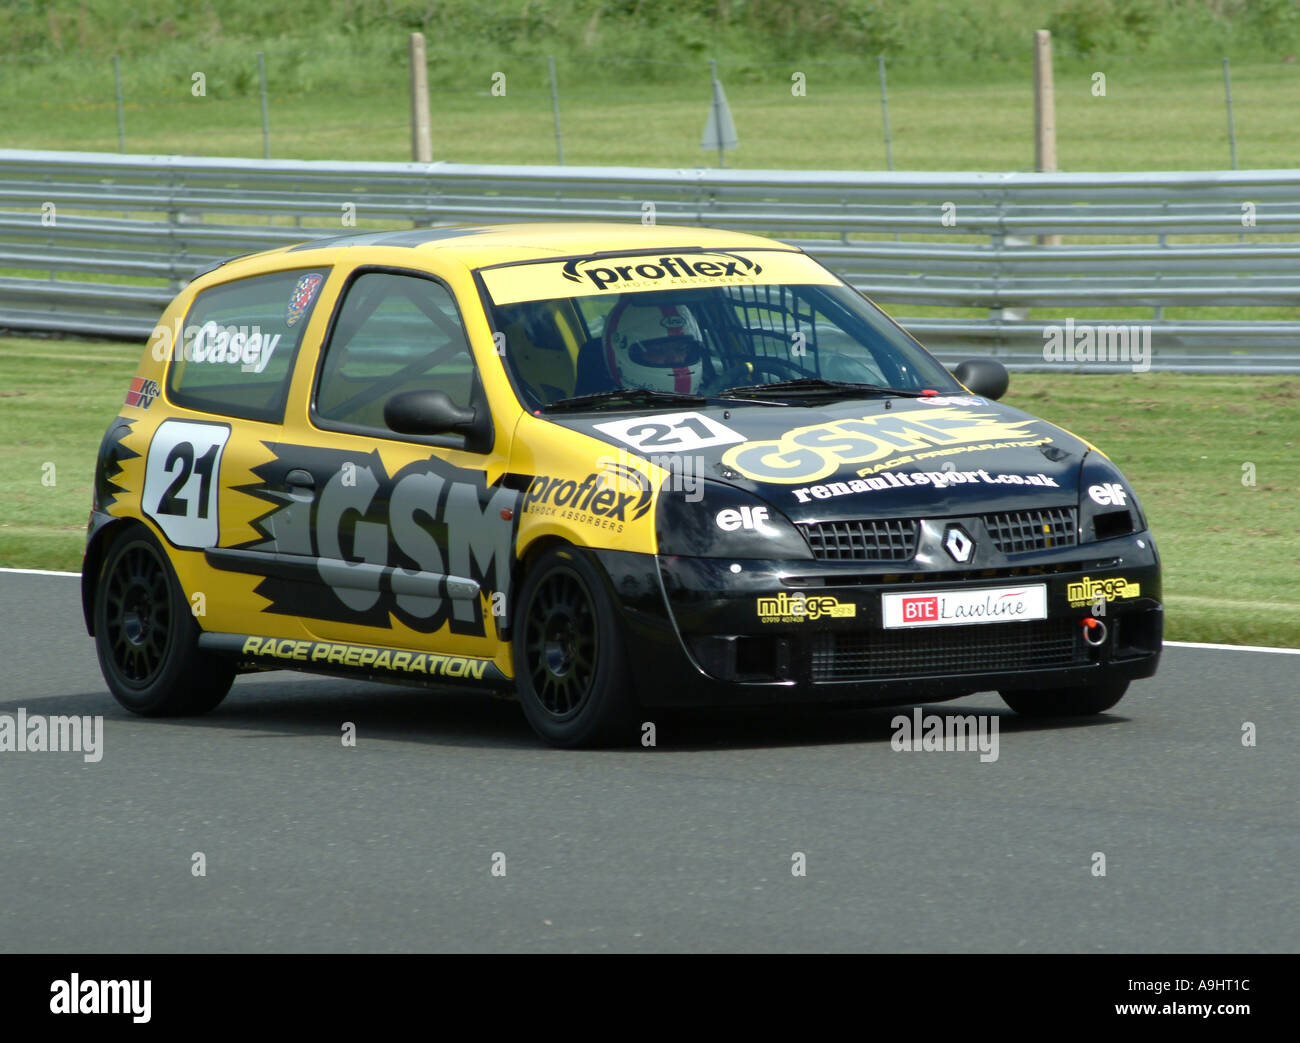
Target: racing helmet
(656, 346)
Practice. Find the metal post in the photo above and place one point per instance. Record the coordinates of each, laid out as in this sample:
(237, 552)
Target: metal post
(884, 109)
(717, 113)
(121, 120)
(555, 110)
(421, 134)
(1232, 130)
(1044, 103)
(1044, 113)
(266, 127)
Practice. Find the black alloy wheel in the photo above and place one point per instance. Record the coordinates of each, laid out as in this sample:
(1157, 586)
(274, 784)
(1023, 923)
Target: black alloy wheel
(561, 644)
(146, 636)
(138, 614)
(570, 666)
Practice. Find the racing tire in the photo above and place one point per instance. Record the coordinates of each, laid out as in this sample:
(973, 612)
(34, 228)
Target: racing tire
(1064, 702)
(146, 637)
(571, 669)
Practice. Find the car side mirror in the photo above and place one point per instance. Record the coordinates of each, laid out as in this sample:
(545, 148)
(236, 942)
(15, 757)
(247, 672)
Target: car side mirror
(985, 377)
(428, 412)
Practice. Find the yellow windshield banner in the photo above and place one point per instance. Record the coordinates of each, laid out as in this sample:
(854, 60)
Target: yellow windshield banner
(645, 273)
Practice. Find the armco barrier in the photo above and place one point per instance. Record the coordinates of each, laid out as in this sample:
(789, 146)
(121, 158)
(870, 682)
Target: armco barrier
(73, 225)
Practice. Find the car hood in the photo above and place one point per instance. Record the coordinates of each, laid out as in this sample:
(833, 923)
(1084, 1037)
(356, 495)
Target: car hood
(861, 458)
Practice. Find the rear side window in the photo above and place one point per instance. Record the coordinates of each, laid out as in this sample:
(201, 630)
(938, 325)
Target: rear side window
(240, 341)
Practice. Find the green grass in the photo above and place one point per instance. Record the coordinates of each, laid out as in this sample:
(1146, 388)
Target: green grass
(634, 80)
(1230, 551)
(56, 400)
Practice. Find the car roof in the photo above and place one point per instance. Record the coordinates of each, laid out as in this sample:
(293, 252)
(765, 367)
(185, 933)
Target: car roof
(480, 246)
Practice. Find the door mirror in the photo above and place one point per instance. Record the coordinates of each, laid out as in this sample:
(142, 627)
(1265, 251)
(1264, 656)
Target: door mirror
(427, 413)
(985, 377)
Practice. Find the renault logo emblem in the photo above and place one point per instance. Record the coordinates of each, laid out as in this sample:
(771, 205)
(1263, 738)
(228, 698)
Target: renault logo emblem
(957, 542)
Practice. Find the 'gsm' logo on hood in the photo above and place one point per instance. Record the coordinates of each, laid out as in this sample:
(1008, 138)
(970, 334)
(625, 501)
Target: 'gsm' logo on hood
(807, 454)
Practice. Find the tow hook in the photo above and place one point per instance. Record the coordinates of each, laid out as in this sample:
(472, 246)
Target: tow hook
(1094, 631)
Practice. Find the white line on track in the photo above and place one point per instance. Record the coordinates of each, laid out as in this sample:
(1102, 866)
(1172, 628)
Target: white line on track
(1233, 648)
(1172, 644)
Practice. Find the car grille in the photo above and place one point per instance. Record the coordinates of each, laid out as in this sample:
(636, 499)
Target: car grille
(927, 651)
(1015, 531)
(859, 579)
(863, 540)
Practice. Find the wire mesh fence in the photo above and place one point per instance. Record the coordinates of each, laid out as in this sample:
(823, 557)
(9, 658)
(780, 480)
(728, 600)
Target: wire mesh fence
(942, 112)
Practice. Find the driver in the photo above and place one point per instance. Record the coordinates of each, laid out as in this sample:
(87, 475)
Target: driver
(656, 346)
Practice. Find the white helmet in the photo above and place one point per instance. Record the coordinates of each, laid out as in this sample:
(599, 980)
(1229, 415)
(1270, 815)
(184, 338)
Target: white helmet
(657, 346)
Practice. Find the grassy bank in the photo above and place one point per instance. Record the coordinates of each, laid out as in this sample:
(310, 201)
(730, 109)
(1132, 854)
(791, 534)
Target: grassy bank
(633, 79)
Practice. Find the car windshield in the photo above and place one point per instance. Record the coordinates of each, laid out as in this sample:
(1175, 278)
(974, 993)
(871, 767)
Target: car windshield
(699, 323)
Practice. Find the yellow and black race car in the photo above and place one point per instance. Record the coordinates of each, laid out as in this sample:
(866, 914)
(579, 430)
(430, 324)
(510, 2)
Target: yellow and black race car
(605, 467)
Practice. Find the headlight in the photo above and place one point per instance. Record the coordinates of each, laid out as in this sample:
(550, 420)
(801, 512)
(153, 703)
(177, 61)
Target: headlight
(1108, 507)
(714, 520)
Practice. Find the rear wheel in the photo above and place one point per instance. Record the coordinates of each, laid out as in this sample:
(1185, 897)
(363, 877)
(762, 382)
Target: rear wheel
(146, 637)
(570, 666)
(1065, 702)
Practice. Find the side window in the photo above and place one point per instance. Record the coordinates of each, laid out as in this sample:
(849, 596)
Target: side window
(543, 343)
(240, 342)
(393, 333)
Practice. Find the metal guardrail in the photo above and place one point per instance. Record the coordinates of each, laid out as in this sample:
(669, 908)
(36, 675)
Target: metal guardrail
(160, 218)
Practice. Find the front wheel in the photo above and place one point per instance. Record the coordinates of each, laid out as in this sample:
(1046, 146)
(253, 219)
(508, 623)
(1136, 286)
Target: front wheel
(1065, 702)
(146, 637)
(570, 666)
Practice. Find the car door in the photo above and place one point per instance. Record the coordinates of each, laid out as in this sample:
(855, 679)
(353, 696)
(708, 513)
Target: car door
(411, 536)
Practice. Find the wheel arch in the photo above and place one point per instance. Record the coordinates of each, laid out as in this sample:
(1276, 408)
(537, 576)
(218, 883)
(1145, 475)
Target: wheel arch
(96, 545)
(535, 550)
(103, 534)
(523, 564)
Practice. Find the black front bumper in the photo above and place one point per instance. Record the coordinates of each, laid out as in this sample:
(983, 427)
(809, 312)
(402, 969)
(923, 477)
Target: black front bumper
(695, 635)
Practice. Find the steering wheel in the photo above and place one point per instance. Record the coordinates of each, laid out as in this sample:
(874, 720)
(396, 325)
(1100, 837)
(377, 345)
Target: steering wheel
(742, 372)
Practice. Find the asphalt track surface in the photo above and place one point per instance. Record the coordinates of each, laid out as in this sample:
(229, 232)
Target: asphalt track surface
(388, 846)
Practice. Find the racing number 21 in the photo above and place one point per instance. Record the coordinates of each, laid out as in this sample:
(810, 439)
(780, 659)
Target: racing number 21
(652, 435)
(183, 453)
(180, 481)
(675, 432)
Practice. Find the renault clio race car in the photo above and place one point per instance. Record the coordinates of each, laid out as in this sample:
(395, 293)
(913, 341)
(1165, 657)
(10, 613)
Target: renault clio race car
(604, 468)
